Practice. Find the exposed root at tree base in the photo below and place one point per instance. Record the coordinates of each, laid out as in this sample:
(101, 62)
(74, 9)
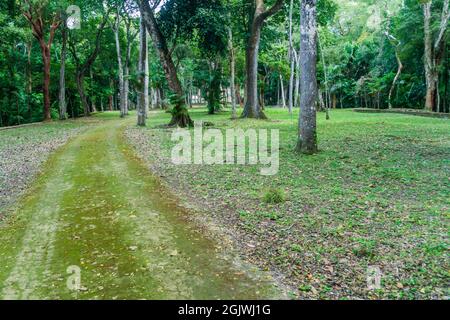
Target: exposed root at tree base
(182, 120)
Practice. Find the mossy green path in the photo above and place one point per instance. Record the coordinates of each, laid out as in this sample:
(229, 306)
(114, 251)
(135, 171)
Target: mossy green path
(97, 208)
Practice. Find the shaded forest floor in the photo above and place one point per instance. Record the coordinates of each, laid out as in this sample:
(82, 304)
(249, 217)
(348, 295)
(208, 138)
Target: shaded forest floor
(376, 195)
(96, 209)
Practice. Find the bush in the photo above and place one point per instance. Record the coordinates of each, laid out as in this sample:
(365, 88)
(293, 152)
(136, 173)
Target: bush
(274, 196)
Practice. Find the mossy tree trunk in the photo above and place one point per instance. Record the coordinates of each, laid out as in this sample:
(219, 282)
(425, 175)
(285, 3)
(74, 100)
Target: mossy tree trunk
(180, 114)
(214, 90)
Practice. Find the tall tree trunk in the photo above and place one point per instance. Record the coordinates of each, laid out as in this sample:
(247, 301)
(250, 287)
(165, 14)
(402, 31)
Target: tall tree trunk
(82, 94)
(126, 85)
(307, 141)
(141, 107)
(433, 52)
(46, 88)
(320, 100)
(29, 80)
(292, 58)
(297, 83)
(123, 98)
(430, 68)
(283, 97)
(147, 75)
(111, 97)
(238, 95)
(180, 113)
(92, 97)
(397, 76)
(232, 74)
(214, 88)
(252, 108)
(325, 73)
(62, 74)
(446, 79)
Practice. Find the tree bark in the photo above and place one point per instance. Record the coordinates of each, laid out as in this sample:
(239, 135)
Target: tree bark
(252, 108)
(397, 76)
(29, 80)
(116, 29)
(283, 98)
(111, 97)
(232, 74)
(297, 82)
(292, 58)
(147, 75)
(142, 116)
(307, 141)
(46, 88)
(126, 85)
(430, 73)
(180, 113)
(325, 73)
(62, 74)
(433, 53)
(214, 88)
(82, 94)
(238, 95)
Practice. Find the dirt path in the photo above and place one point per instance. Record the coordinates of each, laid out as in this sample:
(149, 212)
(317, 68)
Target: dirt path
(98, 210)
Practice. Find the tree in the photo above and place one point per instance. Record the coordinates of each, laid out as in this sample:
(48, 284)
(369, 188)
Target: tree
(396, 43)
(307, 141)
(258, 15)
(62, 73)
(130, 37)
(232, 73)
(115, 26)
(180, 114)
(83, 66)
(434, 51)
(35, 13)
(292, 58)
(143, 76)
(209, 22)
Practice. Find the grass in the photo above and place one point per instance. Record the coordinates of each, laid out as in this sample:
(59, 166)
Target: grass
(96, 207)
(24, 149)
(375, 195)
(36, 133)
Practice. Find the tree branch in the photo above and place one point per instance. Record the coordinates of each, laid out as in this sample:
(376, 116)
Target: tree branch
(267, 13)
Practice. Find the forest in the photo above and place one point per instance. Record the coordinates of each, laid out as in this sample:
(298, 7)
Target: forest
(368, 56)
(94, 95)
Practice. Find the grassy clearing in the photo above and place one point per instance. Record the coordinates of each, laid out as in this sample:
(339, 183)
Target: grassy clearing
(376, 195)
